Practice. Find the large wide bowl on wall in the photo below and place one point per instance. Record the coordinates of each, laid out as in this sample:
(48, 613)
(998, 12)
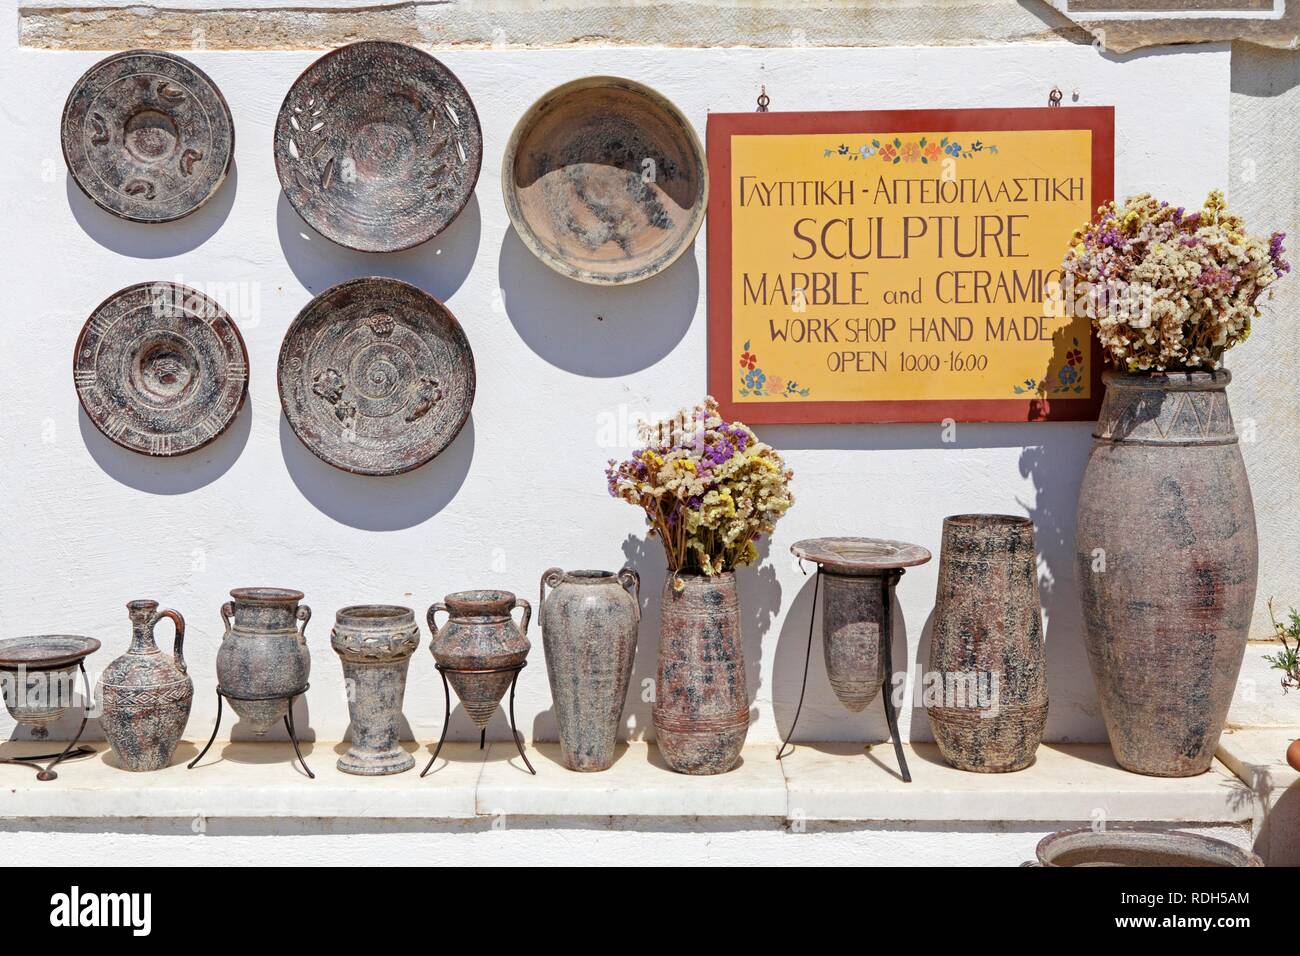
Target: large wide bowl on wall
(376, 376)
(605, 181)
(378, 146)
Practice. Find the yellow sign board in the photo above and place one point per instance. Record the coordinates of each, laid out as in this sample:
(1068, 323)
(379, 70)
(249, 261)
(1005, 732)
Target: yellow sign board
(896, 266)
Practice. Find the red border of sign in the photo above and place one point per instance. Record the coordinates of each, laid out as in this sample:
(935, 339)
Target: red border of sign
(722, 126)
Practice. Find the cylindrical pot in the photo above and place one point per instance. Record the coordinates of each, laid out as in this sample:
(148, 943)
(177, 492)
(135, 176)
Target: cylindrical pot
(263, 659)
(1166, 565)
(701, 709)
(986, 684)
(589, 630)
(853, 641)
(145, 695)
(375, 643)
(479, 647)
(1138, 846)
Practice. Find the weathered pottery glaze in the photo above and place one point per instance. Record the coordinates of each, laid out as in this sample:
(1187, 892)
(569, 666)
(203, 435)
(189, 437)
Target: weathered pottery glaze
(38, 675)
(147, 136)
(145, 695)
(853, 641)
(1166, 564)
(480, 636)
(605, 180)
(701, 709)
(1138, 846)
(376, 376)
(160, 369)
(378, 146)
(589, 630)
(375, 643)
(987, 645)
(263, 660)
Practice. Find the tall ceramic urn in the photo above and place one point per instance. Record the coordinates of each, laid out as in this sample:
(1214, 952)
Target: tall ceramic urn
(986, 648)
(701, 709)
(263, 661)
(1166, 565)
(589, 630)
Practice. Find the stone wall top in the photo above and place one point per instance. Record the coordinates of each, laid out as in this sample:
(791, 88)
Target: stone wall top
(1118, 26)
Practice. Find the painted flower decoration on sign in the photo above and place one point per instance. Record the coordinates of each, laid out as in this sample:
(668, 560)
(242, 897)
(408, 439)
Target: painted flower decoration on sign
(1068, 378)
(896, 150)
(755, 382)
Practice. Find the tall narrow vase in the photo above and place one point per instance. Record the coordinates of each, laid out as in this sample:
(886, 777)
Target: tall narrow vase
(375, 643)
(987, 670)
(701, 709)
(1166, 565)
(145, 695)
(589, 631)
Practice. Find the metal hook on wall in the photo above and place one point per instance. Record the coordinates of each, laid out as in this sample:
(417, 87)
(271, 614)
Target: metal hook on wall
(763, 99)
(1054, 97)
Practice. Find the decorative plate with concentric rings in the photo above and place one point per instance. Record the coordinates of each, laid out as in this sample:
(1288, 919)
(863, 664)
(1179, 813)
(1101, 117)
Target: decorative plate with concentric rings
(147, 135)
(378, 146)
(160, 368)
(376, 376)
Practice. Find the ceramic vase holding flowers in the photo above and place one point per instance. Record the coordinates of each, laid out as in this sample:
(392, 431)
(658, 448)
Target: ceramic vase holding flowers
(1166, 549)
(709, 489)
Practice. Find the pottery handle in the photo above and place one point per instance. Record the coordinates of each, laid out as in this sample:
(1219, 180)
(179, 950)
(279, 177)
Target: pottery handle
(551, 576)
(630, 576)
(434, 609)
(304, 615)
(227, 612)
(528, 613)
(178, 649)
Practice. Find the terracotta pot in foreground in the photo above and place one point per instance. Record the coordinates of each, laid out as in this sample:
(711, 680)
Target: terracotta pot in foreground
(1166, 565)
(701, 710)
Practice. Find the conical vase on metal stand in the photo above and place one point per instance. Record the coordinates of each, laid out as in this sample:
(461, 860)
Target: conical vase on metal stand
(479, 648)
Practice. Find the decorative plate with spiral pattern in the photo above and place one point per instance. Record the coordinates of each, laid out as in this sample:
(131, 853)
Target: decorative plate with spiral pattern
(376, 376)
(378, 146)
(147, 136)
(160, 369)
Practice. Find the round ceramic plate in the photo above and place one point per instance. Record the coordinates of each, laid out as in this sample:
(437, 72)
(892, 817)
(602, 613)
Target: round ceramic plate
(147, 136)
(859, 555)
(605, 181)
(376, 376)
(40, 651)
(378, 146)
(160, 368)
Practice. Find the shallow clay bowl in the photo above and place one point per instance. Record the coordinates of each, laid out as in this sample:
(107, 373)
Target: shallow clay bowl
(605, 181)
(860, 556)
(44, 651)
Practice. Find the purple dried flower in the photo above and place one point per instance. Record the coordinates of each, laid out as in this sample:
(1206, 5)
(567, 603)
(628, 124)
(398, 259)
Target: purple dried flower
(1275, 250)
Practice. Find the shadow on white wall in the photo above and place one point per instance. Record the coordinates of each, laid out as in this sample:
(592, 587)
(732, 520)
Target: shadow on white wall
(439, 266)
(142, 240)
(168, 476)
(388, 503)
(591, 330)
